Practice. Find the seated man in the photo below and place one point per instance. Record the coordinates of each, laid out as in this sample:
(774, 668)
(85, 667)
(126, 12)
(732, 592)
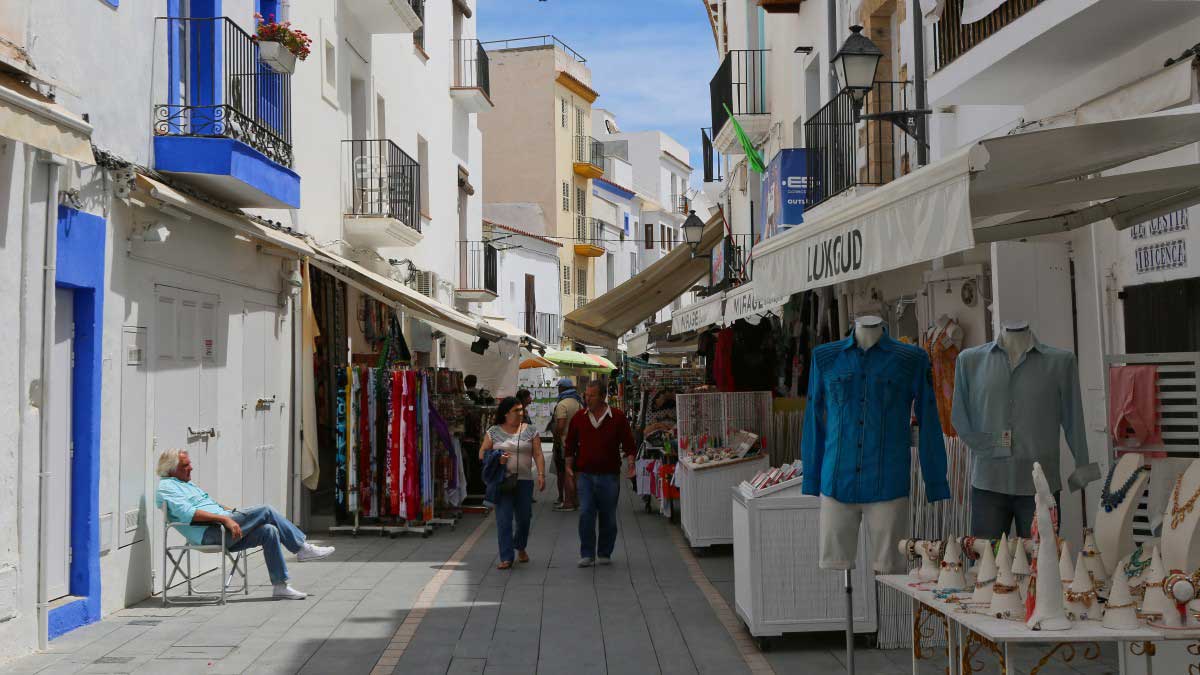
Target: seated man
(255, 526)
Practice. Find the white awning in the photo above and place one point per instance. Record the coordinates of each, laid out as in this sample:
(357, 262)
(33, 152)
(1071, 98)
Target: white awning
(512, 331)
(238, 222)
(450, 321)
(29, 117)
(998, 189)
(742, 302)
(697, 315)
(603, 320)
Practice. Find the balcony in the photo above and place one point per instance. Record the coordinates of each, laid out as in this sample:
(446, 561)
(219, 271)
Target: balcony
(845, 152)
(730, 262)
(713, 171)
(387, 17)
(589, 157)
(681, 205)
(477, 271)
(471, 87)
(741, 86)
(1045, 46)
(545, 327)
(226, 124)
(383, 194)
(589, 237)
(580, 301)
(418, 7)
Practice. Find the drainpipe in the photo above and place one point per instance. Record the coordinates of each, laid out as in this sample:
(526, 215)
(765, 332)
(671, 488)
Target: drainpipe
(831, 25)
(918, 22)
(53, 166)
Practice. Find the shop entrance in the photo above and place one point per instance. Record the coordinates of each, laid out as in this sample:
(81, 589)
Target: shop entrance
(1162, 317)
(58, 568)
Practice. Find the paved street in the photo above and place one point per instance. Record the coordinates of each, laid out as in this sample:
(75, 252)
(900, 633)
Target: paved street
(438, 605)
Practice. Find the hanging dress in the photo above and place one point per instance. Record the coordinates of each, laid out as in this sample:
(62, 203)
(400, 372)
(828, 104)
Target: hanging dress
(393, 457)
(352, 414)
(364, 442)
(339, 430)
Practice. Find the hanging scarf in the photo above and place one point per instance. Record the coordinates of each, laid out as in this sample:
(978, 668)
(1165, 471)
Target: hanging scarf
(339, 481)
(352, 415)
(365, 395)
(411, 468)
(427, 491)
(393, 457)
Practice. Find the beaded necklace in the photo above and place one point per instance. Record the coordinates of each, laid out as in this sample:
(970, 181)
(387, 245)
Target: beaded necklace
(1111, 500)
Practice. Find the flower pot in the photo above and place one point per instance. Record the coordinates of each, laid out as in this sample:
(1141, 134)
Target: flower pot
(277, 57)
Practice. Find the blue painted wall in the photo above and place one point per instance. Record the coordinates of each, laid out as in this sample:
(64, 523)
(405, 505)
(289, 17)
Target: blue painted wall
(80, 267)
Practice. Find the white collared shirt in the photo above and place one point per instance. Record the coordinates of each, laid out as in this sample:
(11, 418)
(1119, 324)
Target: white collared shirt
(596, 422)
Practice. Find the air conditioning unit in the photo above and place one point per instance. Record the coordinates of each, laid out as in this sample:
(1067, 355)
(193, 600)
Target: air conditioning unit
(426, 283)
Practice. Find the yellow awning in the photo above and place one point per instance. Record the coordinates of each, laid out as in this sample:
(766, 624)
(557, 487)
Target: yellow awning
(29, 117)
(603, 320)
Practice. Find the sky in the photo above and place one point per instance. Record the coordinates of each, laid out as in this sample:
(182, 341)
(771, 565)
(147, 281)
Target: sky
(651, 60)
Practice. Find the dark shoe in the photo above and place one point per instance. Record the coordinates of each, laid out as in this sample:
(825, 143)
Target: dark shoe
(504, 565)
(522, 556)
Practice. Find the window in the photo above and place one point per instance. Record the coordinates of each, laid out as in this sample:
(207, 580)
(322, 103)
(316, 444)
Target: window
(578, 121)
(563, 112)
(566, 196)
(649, 235)
(633, 270)
(423, 160)
(581, 281)
(330, 65)
(566, 279)
(580, 201)
(662, 236)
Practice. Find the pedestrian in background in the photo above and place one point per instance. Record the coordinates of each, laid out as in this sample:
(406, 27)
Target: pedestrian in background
(518, 447)
(597, 437)
(569, 403)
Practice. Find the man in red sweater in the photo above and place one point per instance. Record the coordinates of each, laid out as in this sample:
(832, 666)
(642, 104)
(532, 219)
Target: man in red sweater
(597, 436)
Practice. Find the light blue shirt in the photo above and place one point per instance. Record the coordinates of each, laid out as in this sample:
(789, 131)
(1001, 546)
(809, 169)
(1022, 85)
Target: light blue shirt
(183, 500)
(1032, 400)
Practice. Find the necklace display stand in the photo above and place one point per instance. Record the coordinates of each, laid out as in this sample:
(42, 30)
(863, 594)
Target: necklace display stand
(951, 577)
(1080, 597)
(1180, 538)
(1006, 598)
(1114, 526)
(1021, 569)
(1066, 565)
(1120, 612)
(1048, 611)
(1092, 562)
(985, 575)
(1161, 609)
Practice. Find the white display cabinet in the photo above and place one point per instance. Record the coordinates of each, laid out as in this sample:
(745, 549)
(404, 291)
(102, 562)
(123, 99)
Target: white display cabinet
(705, 511)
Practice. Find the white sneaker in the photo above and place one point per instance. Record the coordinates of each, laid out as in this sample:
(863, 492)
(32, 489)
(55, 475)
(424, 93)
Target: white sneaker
(586, 562)
(286, 592)
(604, 560)
(310, 552)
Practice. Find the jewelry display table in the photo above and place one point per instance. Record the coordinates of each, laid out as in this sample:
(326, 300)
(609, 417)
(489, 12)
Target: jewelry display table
(706, 509)
(967, 633)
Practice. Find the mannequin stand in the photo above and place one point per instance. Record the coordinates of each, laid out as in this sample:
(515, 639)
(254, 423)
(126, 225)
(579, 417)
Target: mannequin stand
(849, 624)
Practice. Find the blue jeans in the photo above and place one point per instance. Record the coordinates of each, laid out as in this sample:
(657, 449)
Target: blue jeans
(262, 526)
(598, 493)
(518, 503)
(992, 513)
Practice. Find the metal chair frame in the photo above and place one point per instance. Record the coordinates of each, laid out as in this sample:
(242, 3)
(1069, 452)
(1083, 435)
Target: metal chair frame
(177, 561)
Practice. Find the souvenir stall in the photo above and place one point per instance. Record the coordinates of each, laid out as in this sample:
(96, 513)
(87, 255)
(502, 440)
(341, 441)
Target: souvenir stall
(655, 427)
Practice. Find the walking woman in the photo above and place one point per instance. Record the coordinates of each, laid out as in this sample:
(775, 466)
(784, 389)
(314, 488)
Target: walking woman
(519, 448)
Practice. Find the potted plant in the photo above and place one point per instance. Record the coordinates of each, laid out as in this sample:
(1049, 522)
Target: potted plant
(280, 45)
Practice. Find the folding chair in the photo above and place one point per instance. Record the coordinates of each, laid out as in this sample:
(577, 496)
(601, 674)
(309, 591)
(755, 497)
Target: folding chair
(180, 561)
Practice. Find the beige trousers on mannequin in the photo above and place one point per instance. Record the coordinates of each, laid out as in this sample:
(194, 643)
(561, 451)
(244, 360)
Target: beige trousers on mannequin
(887, 523)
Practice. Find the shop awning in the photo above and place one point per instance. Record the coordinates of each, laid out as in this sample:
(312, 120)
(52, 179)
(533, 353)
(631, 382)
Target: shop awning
(998, 189)
(581, 360)
(513, 332)
(243, 224)
(445, 318)
(603, 320)
(29, 117)
(743, 302)
(697, 315)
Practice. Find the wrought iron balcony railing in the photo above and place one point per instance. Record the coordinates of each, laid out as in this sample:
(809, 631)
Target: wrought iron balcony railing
(580, 301)
(589, 231)
(382, 181)
(952, 39)
(418, 7)
(713, 172)
(543, 326)
(741, 84)
(478, 268)
(589, 151)
(217, 87)
(681, 204)
(471, 66)
(733, 266)
(845, 150)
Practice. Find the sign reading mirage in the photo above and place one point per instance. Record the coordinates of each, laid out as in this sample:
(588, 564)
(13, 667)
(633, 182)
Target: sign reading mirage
(833, 257)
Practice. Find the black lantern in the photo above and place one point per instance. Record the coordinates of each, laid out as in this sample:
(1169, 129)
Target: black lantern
(693, 230)
(856, 62)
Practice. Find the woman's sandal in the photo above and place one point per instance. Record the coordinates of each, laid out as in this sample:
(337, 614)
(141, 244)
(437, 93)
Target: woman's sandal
(522, 556)
(504, 565)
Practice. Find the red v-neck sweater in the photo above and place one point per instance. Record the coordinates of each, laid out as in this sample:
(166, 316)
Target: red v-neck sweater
(599, 449)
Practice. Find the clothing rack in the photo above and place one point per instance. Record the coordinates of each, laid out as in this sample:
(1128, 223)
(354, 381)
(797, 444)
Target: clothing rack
(1177, 396)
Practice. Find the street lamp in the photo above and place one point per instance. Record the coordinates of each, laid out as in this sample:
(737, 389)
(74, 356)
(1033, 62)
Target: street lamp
(856, 62)
(693, 230)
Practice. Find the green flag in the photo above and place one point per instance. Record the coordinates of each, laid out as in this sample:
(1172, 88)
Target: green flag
(752, 157)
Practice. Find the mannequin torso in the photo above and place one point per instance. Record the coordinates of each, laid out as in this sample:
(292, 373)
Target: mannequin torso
(1016, 340)
(1114, 528)
(1181, 543)
(867, 331)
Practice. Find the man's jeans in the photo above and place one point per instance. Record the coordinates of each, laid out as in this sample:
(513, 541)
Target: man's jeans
(262, 526)
(992, 513)
(598, 493)
(520, 503)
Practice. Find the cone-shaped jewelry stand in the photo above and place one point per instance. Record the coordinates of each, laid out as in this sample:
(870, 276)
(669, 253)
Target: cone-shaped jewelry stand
(1066, 565)
(1020, 569)
(1006, 600)
(985, 576)
(951, 577)
(1048, 611)
(1080, 597)
(1162, 610)
(1120, 613)
(1092, 560)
